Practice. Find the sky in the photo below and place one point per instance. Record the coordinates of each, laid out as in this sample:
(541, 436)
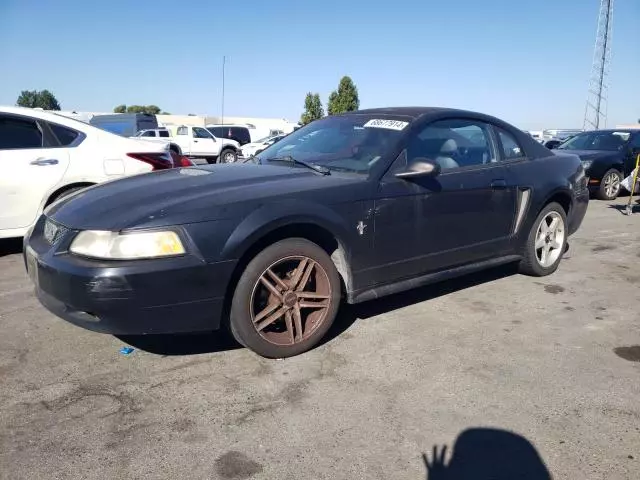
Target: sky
(526, 62)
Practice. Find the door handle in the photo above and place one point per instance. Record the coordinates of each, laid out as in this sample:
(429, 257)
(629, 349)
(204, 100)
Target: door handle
(44, 161)
(497, 184)
(195, 141)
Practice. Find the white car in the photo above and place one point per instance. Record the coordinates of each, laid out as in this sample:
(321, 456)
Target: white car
(45, 156)
(254, 148)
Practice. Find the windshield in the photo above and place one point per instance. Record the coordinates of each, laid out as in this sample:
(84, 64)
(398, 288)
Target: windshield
(610, 141)
(350, 143)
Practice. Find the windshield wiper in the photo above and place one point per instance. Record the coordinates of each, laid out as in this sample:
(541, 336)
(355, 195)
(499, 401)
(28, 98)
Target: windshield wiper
(295, 161)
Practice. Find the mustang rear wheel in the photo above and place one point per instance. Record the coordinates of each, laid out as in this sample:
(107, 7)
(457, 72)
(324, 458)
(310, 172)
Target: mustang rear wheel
(546, 243)
(286, 299)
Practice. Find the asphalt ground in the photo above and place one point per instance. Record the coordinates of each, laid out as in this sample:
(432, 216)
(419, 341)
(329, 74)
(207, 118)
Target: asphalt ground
(512, 374)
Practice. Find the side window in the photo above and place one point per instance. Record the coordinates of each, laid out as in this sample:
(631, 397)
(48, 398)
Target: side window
(453, 143)
(19, 134)
(635, 141)
(200, 133)
(182, 131)
(510, 147)
(163, 133)
(65, 136)
(148, 133)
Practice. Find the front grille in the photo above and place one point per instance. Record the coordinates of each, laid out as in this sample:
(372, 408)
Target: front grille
(54, 232)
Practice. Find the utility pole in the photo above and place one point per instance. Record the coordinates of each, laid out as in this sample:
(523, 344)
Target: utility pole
(595, 114)
(224, 60)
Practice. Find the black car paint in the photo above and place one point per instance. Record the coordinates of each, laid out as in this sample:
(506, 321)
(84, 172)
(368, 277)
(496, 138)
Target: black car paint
(222, 212)
(604, 160)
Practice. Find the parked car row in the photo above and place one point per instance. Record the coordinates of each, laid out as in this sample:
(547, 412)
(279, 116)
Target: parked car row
(194, 142)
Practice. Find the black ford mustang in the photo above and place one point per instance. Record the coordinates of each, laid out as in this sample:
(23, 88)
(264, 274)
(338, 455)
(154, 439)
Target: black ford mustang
(353, 207)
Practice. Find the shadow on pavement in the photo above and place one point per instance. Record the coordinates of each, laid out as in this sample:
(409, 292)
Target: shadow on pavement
(487, 454)
(10, 246)
(349, 314)
(622, 207)
(197, 343)
(182, 344)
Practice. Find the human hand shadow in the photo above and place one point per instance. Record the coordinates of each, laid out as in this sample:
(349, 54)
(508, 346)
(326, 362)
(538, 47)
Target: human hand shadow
(487, 454)
(436, 469)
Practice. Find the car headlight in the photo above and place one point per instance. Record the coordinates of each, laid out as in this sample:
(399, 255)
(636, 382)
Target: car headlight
(586, 163)
(126, 246)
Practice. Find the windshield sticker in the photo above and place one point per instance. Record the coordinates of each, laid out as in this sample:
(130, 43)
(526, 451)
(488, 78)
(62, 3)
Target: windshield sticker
(624, 135)
(388, 124)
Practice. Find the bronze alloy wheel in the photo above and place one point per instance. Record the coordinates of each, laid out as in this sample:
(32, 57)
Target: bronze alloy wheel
(286, 299)
(290, 300)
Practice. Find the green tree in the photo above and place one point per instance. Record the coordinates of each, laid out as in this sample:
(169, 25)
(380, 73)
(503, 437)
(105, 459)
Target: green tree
(345, 99)
(38, 99)
(151, 109)
(312, 108)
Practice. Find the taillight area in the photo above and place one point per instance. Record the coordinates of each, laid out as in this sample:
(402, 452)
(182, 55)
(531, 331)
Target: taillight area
(157, 160)
(181, 160)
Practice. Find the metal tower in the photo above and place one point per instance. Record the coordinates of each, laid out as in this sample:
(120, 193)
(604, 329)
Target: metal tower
(595, 114)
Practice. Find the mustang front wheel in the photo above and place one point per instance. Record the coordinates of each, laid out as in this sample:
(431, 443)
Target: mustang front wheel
(286, 299)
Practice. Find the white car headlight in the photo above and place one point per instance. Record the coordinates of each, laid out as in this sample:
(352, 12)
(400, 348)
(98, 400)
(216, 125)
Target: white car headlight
(126, 246)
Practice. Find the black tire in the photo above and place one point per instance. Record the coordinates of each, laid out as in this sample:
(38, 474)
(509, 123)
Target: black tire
(530, 265)
(175, 149)
(602, 193)
(226, 154)
(65, 193)
(247, 296)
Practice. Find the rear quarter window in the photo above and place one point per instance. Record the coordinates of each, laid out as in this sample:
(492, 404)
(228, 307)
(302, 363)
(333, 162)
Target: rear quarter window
(66, 136)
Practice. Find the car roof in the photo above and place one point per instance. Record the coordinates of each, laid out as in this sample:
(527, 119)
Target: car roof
(415, 113)
(32, 112)
(612, 130)
(49, 116)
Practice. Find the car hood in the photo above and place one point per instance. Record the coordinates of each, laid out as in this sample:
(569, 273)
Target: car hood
(592, 154)
(197, 194)
(228, 141)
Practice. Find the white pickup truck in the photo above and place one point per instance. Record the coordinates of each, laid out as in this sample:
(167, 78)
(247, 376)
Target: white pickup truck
(194, 142)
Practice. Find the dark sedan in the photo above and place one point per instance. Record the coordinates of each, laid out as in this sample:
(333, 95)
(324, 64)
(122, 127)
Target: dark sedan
(353, 206)
(608, 156)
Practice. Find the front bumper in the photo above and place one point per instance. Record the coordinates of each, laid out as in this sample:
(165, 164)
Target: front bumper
(578, 211)
(171, 295)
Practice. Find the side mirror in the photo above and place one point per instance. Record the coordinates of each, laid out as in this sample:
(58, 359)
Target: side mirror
(420, 167)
